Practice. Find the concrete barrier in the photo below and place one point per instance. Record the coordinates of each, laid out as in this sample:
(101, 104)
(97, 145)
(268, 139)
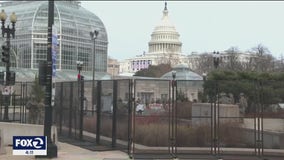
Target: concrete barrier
(229, 112)
(2, 147)
(271, 140)
(18, 129)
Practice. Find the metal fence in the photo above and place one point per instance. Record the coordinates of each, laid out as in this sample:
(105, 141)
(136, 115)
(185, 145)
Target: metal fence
(166, 118)
(14, 100)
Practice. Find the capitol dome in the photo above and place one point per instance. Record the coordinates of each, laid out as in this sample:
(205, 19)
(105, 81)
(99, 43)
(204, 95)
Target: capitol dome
(165, 24)
(165, 38)
(164, 47)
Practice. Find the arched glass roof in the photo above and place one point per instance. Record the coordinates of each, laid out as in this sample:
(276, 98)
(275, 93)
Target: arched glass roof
(73, 24)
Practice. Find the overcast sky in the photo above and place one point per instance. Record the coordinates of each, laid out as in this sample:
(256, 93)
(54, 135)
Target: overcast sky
(203, 26)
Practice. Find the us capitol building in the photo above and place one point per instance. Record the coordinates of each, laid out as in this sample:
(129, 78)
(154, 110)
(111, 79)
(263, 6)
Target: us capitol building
(164, 47)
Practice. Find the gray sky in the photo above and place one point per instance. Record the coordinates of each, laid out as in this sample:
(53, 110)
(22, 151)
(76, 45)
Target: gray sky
(203, 26)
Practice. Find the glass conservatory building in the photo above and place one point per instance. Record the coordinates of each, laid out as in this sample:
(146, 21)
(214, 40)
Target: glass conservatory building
(73, 24)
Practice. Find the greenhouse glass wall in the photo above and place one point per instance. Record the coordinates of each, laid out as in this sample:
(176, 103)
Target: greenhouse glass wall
(73, 25)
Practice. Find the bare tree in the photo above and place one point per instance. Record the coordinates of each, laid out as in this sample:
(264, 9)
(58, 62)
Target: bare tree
(232, 61)
(249, 64)
(169, 58)
(260, 50)
(204, 63)
(263, 61)
(257, 59)
(279, 64)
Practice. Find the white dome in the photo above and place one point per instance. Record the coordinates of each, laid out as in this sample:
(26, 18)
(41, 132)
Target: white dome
(165, 25)
(165, 38)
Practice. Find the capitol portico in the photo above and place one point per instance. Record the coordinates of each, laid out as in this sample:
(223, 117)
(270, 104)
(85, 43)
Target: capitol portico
(164, 47)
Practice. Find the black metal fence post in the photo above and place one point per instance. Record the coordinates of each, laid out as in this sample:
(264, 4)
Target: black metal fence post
(175, 118)
(98, 109)
(114, 114)
(218, 119)
(61, 115)
(21, 101)
(14, 106)
(130, 101)
(25, 101)
(81, 108)
(173, 115)
(70, 109)
(131, 111)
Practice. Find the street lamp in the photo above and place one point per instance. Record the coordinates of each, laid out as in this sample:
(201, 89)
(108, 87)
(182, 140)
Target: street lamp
(51, 146)
(81, 95)
(79, 68)
(174, 113)
(6, 51)
(94, 36)
(173, 86)
(216, 59)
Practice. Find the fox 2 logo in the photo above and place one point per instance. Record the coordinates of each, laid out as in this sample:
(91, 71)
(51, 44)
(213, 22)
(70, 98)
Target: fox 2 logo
(29, 142)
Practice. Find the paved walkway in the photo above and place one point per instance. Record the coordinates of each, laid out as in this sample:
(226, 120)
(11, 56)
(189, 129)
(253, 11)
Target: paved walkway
(71, 152)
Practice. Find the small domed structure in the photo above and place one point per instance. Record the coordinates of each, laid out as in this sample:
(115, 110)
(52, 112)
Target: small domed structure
(182, 73)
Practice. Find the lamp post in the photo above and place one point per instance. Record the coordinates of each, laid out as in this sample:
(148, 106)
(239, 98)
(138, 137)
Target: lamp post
(81, 96)
(79, 68)
(51, 146)
(94, 36)
(216, 61)
(6, 50)
(174, 113)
